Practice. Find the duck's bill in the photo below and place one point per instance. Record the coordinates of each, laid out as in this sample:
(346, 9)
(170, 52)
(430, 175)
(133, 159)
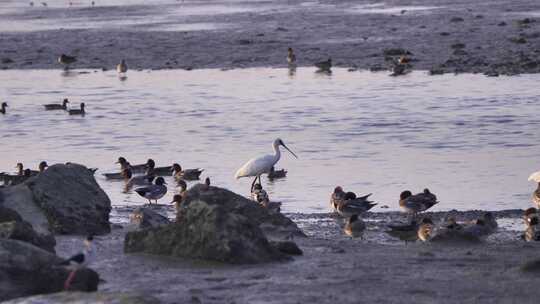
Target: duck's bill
(289, 150)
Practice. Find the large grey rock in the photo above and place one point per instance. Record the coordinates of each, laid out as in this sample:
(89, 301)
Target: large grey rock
(66, 197)
(273, 224)
(143, 218)
(87, 298)
(28, 270)
(23, 231)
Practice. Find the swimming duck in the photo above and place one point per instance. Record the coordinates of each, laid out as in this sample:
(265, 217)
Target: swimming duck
(536, 194)
(80, 111)
(134, 168)
(425, 230)
(355, 226)
(153, 192)
(122, 67)
(354, 205)
(3, 108)
(141, 180)
(54, 106)
(66, 60)
(405, 232)
(273, 174)
(420, 202)
(337, 197)
(324, 65)
(291, 57)
(187, 174)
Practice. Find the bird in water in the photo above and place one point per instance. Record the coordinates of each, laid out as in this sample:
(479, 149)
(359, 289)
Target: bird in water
(186, 174)
(274, 174)
(183, 187)
(324, 66)
(78, 260)
(130, 180)
(66, 60)
(259, 194)
(80, 111)
(425, 230)
(414, 204)
(122, 67)
(263, 164)
(535, 177)
(291, 57)
(3, 108)
(337, 197)
(55, 106)
(153, 192)
(355, 226)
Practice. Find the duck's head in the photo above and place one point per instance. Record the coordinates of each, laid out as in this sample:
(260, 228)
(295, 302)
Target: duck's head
(338, 189)
(160, 181)
(405, 194)
(182, 184)
(27, 172)
(290, 50)
(88, 241)
(426, 191)
(65, 101)
(533, 221)
(177, 198)
(176, 168)
(530, 211)
(480, 222)
(350, 195)
(82, 105)
(207, 181)
(42, 166)
(150, 163)
(4, 105)
(121, 160)
(19, 166)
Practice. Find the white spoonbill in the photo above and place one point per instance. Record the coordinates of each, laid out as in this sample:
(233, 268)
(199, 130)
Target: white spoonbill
(261, 165)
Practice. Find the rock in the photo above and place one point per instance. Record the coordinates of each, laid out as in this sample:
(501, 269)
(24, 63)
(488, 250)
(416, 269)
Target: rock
(65, 199)
(458, 46)
(396, 52)
(7, 60)
(502, 23)
(9, 215)
(436, 71)
(28, 270)
(87, 298)
(531, 266)
(23, 231)
(444, 34)
(287, 247)
(144, 218)
(457, 19)
(518, 40)
(207, 230)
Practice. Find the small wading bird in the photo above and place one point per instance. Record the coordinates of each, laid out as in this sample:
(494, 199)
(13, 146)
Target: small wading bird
(122, 67)
(55, 106)
(262, 165)
(153, 192)
(80, 111)
(3, 108)
(324, 66)
(66, 60)
(291, 57)
(535, 177)
(414, 204)
(78, 261)
(355, 226)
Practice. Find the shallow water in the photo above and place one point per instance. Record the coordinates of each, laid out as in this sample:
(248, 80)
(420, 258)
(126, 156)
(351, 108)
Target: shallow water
(471, 139)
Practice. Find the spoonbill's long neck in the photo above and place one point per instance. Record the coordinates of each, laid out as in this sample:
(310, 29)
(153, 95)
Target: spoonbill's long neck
(277, 153)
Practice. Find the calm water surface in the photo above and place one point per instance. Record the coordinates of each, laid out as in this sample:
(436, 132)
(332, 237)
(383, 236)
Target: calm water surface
(472, 140)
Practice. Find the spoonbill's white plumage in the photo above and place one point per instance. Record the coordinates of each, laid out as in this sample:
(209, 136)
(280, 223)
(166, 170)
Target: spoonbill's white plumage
(535, 177)
(262, 165)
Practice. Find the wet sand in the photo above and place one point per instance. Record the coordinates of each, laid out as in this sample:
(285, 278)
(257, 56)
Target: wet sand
(336, 269)
(493, 37)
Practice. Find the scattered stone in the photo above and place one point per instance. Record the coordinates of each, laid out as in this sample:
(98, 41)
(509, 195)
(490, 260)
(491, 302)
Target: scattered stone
(502, 23)
(531, 266)
(396, 52)
(244, 41)
(479, 16)
(287, 247)
(457, 19)
(444, 34)
(460, 52)
(88, 298)
(23, 231)
(282, 29)
(491, 74)
(28, 270)
(144, 218)
(457, 46)
(518, 40)
(436, 71)
(7, 60)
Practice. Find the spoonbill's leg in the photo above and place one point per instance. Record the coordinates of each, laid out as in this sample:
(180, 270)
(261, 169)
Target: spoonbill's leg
(253, 184)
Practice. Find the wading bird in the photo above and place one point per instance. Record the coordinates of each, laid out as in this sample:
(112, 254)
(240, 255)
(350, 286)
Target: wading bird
(261, 165)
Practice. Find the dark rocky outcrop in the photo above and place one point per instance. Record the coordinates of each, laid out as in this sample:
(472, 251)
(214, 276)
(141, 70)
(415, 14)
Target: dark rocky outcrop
(215, 224)
(64, 199)
(87, 298)
(23, 231)
(28, 270)
(143, 218)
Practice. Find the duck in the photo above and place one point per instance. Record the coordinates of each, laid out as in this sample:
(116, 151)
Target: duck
(122, 67)
(21, 171)
(66, 60)
(186, 174)
(206, 184)
(183, 187)
(355, 226)
(135, 168)
(536, 194)
(354, 205)
(324, 65)
(11, 180)
(177, 201)
(153, 192)
(291, 57)
(414, 204)
(3, 108)
(532, 233)
(42, 166)
(259, 194)
(529, 214)
(336, 198)
(54, 106)
(425, 230)
(80, 111)
(151, 169)
(141, 180)
(405, 232)
(274, 174)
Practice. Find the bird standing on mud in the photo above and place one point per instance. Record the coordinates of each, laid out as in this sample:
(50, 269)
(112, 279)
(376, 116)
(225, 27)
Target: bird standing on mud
(122, 67)
(66, 60)
(355, 226)
(291, 57)
(262, 165)
(425, 230)
(414, 204)
(153, 192)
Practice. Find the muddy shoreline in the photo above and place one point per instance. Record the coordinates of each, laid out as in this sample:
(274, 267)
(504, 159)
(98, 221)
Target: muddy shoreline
(490, 37)
(334, 268)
